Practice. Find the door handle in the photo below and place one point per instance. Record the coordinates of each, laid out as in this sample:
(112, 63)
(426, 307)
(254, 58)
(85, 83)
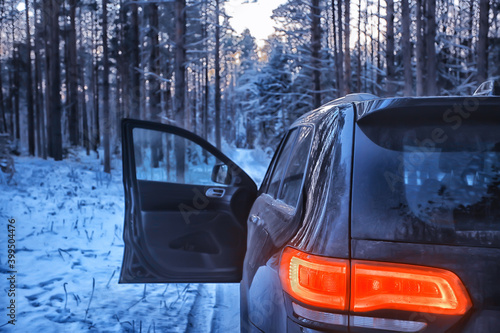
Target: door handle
(254, 219)
(215, 192)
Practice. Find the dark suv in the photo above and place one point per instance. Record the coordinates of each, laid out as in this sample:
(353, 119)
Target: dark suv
(374, 215)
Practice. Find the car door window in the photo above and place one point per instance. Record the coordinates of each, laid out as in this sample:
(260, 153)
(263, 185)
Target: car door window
(281, 164)
(288, 172)
(164, 157)
(294, 174)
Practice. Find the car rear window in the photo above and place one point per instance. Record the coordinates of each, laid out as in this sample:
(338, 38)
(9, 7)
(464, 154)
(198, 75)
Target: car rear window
(435, 182)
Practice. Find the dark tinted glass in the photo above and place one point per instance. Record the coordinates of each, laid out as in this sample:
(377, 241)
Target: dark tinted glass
(281, 163)
(430, 183)
(292, 181)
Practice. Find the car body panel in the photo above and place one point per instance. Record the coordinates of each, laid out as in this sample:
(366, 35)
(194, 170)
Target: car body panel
(325, 227)
(266, 298)
(478, 268)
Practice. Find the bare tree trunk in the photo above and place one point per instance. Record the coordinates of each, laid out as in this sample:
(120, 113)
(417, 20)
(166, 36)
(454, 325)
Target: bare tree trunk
(430, 37)
(188, 114)
(347, 76)
(105, 90)
(123, 64)
(64, 63)
(51, 11)
(93, 93)
(470, 58)
(315, 48)
(135, 87)
(85, 120)
(482, 42)
(96, 124)
(194, 99)
(367, 77)
(9, 104)
(29, 88)
(336, 49)
(2, 105)
(72, 84)
(420, 52)
(13, 85)
(154, 83)
(81, 80)
(359, 83)
(120, 71)
(205, 99)
(180, 84)
(143, 63)
(205, 88)
(406, 22)
(40, 116)
(391, 68)
(15, 91)
(167, 93)
(217, 77)
(378, 75)
(340, 67)
(3, 128)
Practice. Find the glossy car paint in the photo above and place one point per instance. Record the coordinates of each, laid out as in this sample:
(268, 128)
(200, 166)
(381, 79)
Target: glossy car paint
(323, 222)
(325, 230)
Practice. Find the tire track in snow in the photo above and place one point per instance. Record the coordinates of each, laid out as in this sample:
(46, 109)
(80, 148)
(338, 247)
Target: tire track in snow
(201, 313)
(226, 317)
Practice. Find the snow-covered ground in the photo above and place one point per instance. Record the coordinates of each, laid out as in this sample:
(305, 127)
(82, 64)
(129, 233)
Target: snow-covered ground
(68, 232)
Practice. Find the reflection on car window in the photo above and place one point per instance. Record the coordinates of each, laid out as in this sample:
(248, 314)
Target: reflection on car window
(292, 181)
(157, 156)
(448, 192)
(449, 187)
(288, 173)
(281, 164)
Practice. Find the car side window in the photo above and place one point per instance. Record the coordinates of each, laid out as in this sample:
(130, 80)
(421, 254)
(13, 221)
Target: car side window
(281, 164)
(294, 174)
(164, 157)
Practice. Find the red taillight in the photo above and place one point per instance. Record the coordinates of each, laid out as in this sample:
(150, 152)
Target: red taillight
(315, 280)
(325, 282)
(377, 286)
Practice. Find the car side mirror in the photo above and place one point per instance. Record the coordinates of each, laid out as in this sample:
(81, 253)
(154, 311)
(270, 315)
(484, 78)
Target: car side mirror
(221, 174)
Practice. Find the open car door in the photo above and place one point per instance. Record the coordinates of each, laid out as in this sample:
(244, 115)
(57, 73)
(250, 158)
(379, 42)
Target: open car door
(186, 207)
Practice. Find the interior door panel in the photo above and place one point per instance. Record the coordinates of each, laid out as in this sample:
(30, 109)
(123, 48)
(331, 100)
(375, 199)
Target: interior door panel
(181, 227)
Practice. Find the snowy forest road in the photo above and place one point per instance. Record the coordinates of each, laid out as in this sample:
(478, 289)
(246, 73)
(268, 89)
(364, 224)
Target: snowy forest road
(215, 309)
(69, 225)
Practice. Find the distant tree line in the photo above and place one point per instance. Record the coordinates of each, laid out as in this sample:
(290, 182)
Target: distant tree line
(71, 69)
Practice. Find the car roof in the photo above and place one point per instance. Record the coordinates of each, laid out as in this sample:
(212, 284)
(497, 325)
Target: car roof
(367, 104)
